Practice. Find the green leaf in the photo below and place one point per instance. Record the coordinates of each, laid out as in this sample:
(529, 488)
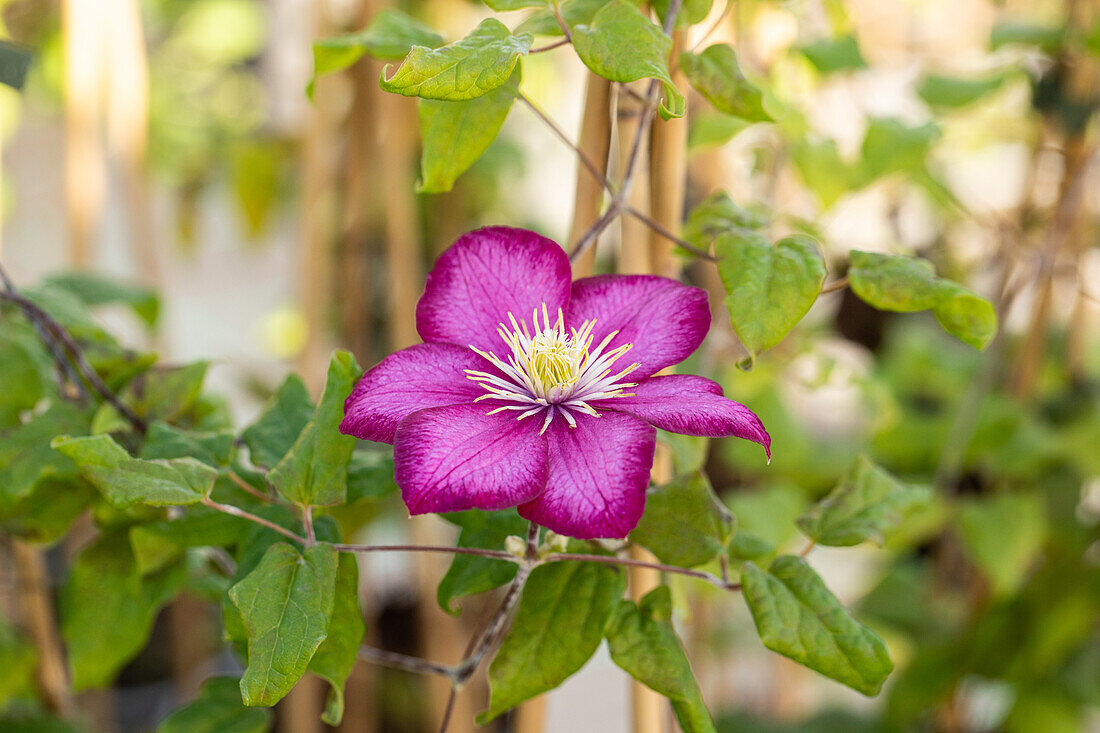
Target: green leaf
(1047, 38)
(25, 454)
(765, 520)
(370, 475)
(1003, 534)
(866, 505)
(18, 664)
(643, 643)
(953, 92)
(389, 37)
(691, 11)
(164, 441)
(46, 514)
(907, 284)
(574, 12)
(891, 146)
(285, 604)
(622, 44)
(562, 617)
(823, 170)
(108, 608)
(708, 130)
(769, 288)
(15, 60)
(470, 574)
(337, 654)
(455, 134)
(966, 316)
(718, 214)
(503, 6)
(797, 616)
(684, 522)
(466, 69)
(283, 419)
(157, 543)
(125, 481)
(95, 290)
(835, 54)
(716, 75)
(315, 471)
(26, 371)
(218, 709)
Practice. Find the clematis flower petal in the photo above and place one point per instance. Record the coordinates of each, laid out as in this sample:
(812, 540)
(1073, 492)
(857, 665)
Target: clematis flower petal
(421, 376)
(599, 472)
(682, 403)
(664, 319)
(449, 459)
(484, 276)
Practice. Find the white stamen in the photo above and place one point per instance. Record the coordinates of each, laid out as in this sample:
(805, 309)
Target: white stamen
(551, 370)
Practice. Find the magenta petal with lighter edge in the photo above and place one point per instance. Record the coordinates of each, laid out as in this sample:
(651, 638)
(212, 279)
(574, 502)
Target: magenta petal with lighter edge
(664, 319)
(421, 376)
(682, 403)
(449, 459)
(599, 472)
(486, 275)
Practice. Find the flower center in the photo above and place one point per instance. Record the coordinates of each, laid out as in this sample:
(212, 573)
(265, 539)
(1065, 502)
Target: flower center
(551, 369)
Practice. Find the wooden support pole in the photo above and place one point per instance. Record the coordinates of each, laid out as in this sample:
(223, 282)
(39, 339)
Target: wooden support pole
(595, 142)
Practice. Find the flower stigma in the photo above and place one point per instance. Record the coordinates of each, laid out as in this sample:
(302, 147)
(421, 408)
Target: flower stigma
(553, 370)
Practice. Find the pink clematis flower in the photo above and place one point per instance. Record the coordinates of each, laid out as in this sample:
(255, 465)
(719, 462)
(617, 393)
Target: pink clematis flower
(535, 391)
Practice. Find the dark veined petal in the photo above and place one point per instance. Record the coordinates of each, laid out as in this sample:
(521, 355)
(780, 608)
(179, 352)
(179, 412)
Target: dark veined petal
(421, 376)
(664, 319)
(599, 472)
(683, 403)
(449, 459)
(485, 275)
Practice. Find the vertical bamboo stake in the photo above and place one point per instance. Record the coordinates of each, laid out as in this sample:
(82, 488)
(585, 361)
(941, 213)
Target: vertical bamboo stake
(442, 637)
(127, 112)
(85, 186)
(316, 265)
(595, 143)
(634, 254)
(36, 605)
(668, 177)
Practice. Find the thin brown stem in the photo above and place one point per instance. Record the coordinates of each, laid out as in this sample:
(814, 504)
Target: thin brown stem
(236, 512)
(307, 520)
(550, 46)
(496, 628)
(404, 662)
(560, 134)
(561, 22)
(443, 549)
(835, 286)
(630, 562)
(55, 333)
(656, 226)
(808, 548)
(249, 488)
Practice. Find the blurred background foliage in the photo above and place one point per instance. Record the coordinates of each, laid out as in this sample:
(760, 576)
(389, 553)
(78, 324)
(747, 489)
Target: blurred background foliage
(261, 228)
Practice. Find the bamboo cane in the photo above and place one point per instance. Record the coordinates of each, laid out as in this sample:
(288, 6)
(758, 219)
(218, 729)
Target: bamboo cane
(595, 143)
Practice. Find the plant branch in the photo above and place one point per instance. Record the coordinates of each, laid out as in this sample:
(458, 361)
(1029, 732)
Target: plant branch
(618, 202)
(56, 334)
(442, 549)
(656, 226)
(404, 662)
(249, 488)
(560, 134)
(550, 46)
(561, 22)
(236, 512)
(496, 628)
(614, 560)
(307, 520)
(835, 286)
